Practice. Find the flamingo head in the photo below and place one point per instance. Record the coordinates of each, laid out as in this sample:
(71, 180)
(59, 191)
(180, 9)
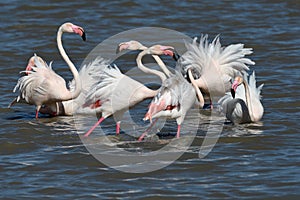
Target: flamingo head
(161, 102)
(164, 50)
(237, 81)
(130, 45)
(72, 28)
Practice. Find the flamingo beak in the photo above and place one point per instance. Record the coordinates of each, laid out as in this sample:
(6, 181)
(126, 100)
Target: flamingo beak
(232, 93)
(78, 30)
(234, 85)
(170, 51)
(176, 55)
(153, 109)
(83, 36)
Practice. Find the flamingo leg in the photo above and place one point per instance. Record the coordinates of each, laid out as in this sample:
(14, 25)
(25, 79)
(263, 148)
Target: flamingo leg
(211, 104)
(118, 128)
(36, 114)
(178, 131)
(95, 125)
(147, 130)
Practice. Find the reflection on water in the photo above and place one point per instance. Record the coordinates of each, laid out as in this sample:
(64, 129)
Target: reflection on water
(258, 160)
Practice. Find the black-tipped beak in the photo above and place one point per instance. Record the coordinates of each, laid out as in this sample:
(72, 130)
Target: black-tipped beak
(232, 93)
(176, 56)
(83, 36)
(118, 50)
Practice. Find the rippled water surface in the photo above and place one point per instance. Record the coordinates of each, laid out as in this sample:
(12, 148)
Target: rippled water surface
(46, 157)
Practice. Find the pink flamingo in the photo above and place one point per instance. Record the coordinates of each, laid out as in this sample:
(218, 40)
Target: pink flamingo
(116, 92)
(42, 85)
(214, 66)
(243, 105)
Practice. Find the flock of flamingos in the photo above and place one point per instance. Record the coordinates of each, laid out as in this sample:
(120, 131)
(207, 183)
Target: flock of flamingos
(207, 70)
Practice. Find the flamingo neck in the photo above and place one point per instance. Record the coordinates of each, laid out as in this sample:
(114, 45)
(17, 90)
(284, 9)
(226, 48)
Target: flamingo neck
(198, 92)
(76, 92)
(145, 69)
(160, 63)
(248, 102)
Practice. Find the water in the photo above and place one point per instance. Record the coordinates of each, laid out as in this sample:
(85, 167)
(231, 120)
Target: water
(46, 158)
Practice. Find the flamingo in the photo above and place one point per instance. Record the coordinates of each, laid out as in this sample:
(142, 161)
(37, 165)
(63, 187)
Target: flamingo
(135, 45)
(91, 74)
(29, 66)
(174, 98)
(214, 66)
(116, 91)
(42, 85)
(244, 105)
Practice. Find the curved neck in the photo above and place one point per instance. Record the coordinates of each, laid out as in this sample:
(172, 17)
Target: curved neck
(198, 92)
(76, 92)
(160, 63)
(248, 102)
(145, 69)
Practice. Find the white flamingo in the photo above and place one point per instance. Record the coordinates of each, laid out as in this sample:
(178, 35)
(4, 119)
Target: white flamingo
(243, 105)
(29, 66)
(174, 98)
(213, 66)
(116, 92)
(91, 74)
(135, 45)
(42, 85)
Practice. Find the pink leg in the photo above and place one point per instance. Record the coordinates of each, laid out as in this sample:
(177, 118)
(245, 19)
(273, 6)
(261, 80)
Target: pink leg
(36, 114)
(211, 104)
(91, 130)
(178, 131)
(147, 130)
(118, 128)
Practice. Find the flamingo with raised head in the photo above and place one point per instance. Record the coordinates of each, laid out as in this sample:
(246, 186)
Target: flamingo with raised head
(42, 85)
(116, 92)
(214, 66)
(243, 105)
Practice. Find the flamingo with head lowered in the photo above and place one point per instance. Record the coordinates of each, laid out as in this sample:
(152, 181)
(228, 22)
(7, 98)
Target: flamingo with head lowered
(117, 92)
(213, 66)
(42, 86)
(243, 104)
(173, 100)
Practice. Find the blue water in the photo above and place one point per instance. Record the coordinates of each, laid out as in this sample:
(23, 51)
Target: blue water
(45, 158)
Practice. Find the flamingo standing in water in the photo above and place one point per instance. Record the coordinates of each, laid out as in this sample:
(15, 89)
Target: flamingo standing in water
(243, 105)
(30, 64)
(214, 66)
(173, 100)
(174, 83)
(135, 45)
(91, 74)
(116, 92)
(42, 86)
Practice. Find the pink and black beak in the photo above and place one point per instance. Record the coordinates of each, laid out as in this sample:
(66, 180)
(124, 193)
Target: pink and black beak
(78, 30)
(234, 86)
(83, 36)
(170, 51)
